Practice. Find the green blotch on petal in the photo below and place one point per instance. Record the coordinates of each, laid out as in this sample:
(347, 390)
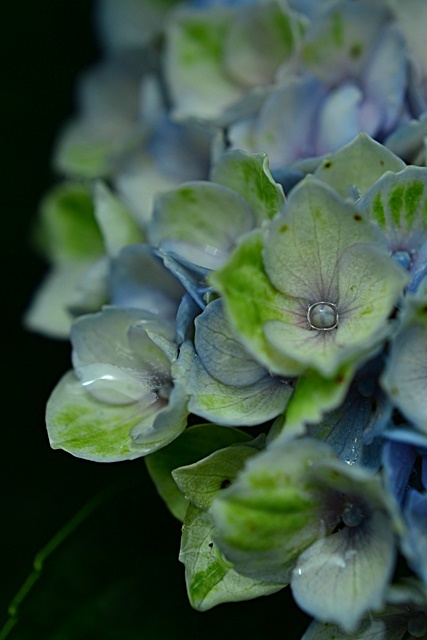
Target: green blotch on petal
(89, 429)
(337, 29)
(210, 579)
(398, 203)
(202, 40)
(249, 175)
(379, 211)
(251, 300)
(68, 231)
(270, 514)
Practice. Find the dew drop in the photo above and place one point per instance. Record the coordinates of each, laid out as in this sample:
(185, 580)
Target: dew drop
(322, 316)
(352, 515)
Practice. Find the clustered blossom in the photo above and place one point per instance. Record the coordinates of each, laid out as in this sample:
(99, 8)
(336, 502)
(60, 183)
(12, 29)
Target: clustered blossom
(238, 246)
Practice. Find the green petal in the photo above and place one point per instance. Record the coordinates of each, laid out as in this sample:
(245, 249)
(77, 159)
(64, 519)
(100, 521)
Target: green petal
(260, 39)
(306, 241)
(405, 376)
(313, 396)
(201, 481)
(68, 231)
(48, 313)
(192, 445)
(195, 73)
(341, 577)
(250, 300)
(200, 216)
(338, 44)
(210, 579)
(117, 226)
(229, 405)
(360, 163)
(249, 175)
(272, 512)
(398, 204)
(368, 284)
(89, 429)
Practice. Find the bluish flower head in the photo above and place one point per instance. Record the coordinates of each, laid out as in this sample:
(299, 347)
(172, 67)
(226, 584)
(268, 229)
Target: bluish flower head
(193, 285)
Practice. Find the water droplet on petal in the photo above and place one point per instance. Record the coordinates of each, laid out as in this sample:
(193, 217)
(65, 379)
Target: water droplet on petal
(322, 316)
(352, 515)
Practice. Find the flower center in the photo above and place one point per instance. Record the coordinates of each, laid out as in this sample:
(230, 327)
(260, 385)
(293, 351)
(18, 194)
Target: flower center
(352, 515)
(322, 316)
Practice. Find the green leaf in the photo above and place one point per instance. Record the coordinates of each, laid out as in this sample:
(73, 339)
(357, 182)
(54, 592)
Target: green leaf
(202, 481)
(210, 579)
(360, 163)
(68, 231)
(249, 175)
(193, 444)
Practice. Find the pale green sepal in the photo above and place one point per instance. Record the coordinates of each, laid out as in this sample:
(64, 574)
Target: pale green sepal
(195, 74)
(202, 481)
(405, 610)
(210, 579)
(90, 429)
(398, 204)
(81, 152)
(369, 285)
(404, 378)
(117, 226)
(47, 313)
(193, 444)
(200, 218)
(250, 300)
(272, 512)
(340, 577)
(313, 396)
(249, 175)
(339, 42)
(68, 231)
(229, 405)
(260, 39)
(360, 163)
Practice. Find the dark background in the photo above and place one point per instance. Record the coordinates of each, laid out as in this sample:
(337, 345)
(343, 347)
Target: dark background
(116, 575)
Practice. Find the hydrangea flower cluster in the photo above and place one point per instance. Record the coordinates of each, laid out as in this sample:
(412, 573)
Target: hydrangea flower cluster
(238, 241)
